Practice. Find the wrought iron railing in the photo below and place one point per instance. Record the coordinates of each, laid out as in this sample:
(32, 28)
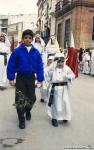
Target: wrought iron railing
(66, 5)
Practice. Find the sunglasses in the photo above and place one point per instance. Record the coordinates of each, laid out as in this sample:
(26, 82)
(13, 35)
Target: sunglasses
(60, 61)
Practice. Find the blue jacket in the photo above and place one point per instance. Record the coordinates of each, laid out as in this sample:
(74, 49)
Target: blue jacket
(23, 62)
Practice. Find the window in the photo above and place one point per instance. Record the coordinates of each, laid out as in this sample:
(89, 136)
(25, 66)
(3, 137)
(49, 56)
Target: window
(4, 30)
(0, 22)
(67, 33)
(93, 30)
(59, 31)
(4, 22)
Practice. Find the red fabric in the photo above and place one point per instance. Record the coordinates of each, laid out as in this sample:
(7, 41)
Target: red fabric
(72, 60)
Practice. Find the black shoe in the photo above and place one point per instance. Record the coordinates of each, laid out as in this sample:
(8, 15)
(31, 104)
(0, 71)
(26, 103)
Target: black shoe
(42, 100)
(21, 124)
(2, 88)
(65, 121)
(54, 123)
(28, 115)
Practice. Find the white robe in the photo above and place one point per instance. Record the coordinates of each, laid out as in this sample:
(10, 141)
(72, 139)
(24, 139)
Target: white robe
(3, 76)
(45, 84)
(92, 64)
(41, 48)
(52, 48)
(60, 109)
(86, 61)
(44, 90)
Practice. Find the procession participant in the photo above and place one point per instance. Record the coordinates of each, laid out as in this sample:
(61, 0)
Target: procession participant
(81, 52)
(39, 43)
(4, 56)
(52, 47)
(92, 63)
(72, 60)
(25, 61)
(45, 84)
(86, 62)
(59, 101)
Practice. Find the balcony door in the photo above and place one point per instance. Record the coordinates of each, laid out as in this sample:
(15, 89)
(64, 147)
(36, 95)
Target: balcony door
(67, 33)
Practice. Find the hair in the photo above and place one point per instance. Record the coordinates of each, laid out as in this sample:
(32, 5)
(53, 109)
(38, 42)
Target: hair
(52, 43)
(59, 58)
(2, 35)
(39, 40)
(27, 32)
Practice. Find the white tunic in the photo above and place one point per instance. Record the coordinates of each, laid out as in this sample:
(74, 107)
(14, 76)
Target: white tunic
(52, 48)
(41, 49)
(92, 64)
(86, 59)
(45, 84)
(60, 109)
(3, 76)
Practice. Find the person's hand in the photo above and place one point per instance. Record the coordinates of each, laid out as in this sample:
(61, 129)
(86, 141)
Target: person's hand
(12, 82)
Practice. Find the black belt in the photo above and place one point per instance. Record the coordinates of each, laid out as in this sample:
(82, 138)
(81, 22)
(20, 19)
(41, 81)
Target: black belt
(60, 84)
(2, 53)
(5, 57)
(51, 55)
(51, 98)
(25, 75)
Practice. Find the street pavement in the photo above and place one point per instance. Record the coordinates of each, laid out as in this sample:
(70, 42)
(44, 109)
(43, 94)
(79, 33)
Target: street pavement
(39, 134)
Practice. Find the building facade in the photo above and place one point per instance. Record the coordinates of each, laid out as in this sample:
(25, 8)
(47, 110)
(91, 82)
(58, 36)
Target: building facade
(3, 23)
(14, 33)
(14, 25)
(75, 23)
(46, 18)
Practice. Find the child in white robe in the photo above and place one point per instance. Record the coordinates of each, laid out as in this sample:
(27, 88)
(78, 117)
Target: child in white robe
(86, 62)
(59, 101)
(45, 84)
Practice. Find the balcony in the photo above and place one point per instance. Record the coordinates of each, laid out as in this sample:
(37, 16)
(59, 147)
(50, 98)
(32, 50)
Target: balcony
(65, 2)
(65, 6)
(58, 6)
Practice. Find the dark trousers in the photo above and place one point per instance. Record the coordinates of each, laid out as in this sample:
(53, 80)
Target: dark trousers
(24, 94)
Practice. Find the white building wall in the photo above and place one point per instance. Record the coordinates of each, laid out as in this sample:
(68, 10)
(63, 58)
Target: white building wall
(29, 20)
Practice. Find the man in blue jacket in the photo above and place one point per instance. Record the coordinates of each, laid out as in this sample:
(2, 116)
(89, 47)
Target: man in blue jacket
(25, 62)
